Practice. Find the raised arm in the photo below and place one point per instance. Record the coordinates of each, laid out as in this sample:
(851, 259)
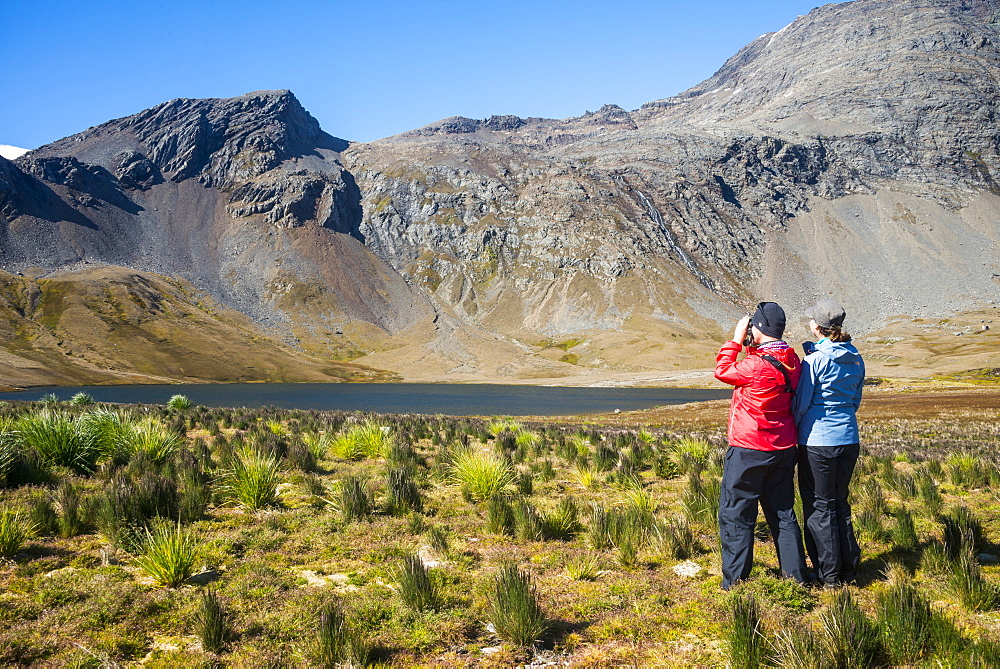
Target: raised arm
(728, 370)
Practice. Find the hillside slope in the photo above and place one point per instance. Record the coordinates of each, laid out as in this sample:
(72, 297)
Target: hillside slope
(851, 153)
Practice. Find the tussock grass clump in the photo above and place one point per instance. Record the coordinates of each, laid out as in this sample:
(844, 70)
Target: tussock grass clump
(499, 425)
(928, 493)
(901, 483)
(675, 538)
(500, 516)
(967, 583)
(338, 643)
(748, 648)
(212, 622)
(70, 520)
(546, 472)
(961, 531)
(691, 455)
(8, 452)
(529, 523)
(15, 529)
(628, 552)
(871, 525)
(586, 476)
(315, 487)
(81, 399)
(300, 456)
(599, 532)
(108, 429)
(362, 440)
(665, 467)
(120, 437)
(437, 537)
(318, 444)
(700, 499)
(801, 648)
(904, 532)
(849, 638)
(402, 454)
(870, 497)
(402, 493)
(355, 501)
(150, 437)
(194, 494)
(967, 471)
(42, 513)
(605, 457)
(562, 522)
(168, 554)
(906, 623)
(252, 479)
(179, 402)
(414, 585)
(58, 438)
(127, 502)
(276, 427)
(481, 475)
(584, 568)
(525, 483)
(934, 558)
(514, 609)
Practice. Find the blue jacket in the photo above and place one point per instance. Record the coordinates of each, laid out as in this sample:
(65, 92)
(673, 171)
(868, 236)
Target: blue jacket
(828, 394)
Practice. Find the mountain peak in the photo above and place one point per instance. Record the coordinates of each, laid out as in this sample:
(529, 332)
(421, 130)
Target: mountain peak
(852, 68)
(221, 141)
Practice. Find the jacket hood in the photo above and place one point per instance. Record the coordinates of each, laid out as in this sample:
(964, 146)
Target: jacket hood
(842, 352)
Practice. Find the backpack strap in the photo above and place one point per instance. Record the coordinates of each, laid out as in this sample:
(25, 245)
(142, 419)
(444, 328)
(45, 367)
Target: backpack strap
(781, 368)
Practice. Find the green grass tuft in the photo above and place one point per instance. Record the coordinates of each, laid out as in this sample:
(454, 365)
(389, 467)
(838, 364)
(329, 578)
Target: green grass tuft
(252, 480)
(414, 585)
(168, 554)
(15, 529)
(481, 475)
(212, 622)
(514, 609)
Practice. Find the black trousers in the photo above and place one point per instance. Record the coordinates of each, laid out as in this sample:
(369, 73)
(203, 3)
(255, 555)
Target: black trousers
(767, 477)
(824, 477)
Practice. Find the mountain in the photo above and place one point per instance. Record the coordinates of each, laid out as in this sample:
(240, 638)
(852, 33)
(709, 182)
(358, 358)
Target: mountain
(851, 153)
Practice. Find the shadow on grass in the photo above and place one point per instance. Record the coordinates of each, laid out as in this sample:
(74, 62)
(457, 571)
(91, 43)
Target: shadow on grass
(560, 629)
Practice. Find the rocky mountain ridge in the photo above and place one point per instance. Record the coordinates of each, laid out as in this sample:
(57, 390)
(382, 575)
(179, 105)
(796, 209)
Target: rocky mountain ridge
(851, 153)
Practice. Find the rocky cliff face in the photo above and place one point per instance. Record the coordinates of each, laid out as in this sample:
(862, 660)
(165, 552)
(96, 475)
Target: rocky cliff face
(851, 153)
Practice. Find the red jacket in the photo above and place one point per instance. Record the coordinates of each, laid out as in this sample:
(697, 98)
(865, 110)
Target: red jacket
(760, 416)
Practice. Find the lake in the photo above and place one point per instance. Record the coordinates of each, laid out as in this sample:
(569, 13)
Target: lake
(423, 398)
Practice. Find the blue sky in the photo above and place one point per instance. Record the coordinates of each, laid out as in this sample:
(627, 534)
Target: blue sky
(365, 69)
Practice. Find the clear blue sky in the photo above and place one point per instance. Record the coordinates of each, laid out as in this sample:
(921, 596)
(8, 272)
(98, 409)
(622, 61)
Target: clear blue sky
(365, 69)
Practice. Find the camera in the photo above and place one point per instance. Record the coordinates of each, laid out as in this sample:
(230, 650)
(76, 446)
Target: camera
(748, 337)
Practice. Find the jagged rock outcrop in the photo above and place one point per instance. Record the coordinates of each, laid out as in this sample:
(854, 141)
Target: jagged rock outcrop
(852, 152)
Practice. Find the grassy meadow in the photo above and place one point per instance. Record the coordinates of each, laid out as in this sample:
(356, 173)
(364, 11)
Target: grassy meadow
(182, 535)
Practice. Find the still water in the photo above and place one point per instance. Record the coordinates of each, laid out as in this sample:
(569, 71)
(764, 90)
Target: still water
(424, 398)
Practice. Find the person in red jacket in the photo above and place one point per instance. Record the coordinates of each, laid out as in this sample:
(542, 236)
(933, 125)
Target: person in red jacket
(760, 461)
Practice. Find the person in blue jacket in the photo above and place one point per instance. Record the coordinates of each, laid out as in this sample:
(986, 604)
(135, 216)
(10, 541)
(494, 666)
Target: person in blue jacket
(825, 409)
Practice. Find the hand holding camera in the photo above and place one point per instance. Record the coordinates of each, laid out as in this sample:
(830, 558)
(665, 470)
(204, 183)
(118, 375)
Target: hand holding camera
(742, 333)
